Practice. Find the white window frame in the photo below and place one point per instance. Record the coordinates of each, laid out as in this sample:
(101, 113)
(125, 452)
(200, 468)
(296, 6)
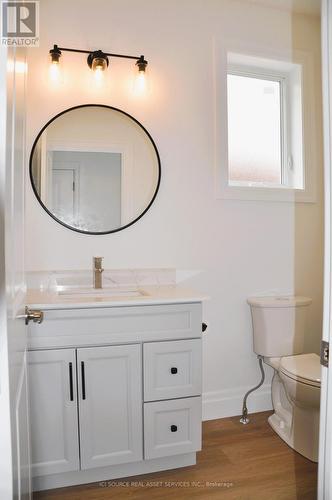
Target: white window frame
(283, 80)
(257, 191)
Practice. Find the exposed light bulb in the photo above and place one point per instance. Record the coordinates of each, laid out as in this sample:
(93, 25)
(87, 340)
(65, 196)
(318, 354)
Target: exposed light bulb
(55, 70)
(99, 64)
(98, 74)
(141, 84)
(55, 73)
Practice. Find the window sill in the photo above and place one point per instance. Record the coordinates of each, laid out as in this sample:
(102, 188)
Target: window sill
(278, 194)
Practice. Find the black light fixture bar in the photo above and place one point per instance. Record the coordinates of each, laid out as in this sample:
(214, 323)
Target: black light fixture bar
(56, 48)
(105, 53)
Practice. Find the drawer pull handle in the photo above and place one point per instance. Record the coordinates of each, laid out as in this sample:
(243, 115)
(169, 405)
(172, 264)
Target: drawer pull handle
(174, 428)
(204, 327)
(174, 370)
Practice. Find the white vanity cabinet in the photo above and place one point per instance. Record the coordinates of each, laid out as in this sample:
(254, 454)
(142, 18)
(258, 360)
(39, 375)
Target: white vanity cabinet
(114, 392)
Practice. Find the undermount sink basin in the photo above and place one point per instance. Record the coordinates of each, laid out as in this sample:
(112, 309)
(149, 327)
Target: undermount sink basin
(102, 292)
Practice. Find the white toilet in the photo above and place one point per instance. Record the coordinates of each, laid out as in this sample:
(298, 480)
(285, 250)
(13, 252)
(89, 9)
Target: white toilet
(278, 332)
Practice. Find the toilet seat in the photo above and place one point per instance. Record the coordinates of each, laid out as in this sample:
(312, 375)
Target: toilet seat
(304, 368)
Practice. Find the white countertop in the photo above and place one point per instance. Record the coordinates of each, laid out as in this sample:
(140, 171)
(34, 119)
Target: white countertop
(151, 295)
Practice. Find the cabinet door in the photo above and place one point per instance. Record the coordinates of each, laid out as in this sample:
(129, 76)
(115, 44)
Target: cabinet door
(110, 405)
(53, 411)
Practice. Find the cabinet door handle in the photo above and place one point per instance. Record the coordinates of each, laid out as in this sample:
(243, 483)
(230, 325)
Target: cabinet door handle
(174, 370)
(83, 379)
(71, 388)
(174, 428)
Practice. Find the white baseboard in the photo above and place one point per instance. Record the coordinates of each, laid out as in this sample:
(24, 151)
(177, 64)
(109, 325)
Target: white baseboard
(228, 402)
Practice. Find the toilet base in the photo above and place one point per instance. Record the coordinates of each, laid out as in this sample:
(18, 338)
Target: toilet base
(284, 432)
(297, 426)
(281, 428)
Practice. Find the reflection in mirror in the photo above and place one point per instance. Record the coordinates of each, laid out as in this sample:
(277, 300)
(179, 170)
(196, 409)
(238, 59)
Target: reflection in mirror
(95, 169)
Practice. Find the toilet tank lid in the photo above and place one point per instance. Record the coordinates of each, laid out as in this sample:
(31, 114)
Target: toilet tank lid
(279, 301)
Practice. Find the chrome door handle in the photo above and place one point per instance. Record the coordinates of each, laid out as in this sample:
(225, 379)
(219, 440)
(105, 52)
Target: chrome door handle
(33, 315)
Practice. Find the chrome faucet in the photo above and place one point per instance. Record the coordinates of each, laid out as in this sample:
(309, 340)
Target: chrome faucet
(97, 272)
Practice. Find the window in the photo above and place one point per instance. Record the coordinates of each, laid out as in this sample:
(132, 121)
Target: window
(254, 130)
(265, 142)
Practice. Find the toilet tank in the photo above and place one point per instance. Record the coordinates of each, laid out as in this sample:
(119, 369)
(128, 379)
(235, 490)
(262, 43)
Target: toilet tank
(278, 324)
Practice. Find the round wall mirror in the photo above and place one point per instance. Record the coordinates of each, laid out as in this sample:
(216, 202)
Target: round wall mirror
(95, 169)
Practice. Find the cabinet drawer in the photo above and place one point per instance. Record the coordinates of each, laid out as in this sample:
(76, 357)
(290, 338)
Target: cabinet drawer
(172, 369)
(172, 427)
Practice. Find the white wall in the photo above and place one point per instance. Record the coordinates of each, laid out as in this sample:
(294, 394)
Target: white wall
(238, 248)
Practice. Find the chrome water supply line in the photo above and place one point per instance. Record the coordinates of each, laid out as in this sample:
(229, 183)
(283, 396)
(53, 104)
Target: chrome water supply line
(244, 418)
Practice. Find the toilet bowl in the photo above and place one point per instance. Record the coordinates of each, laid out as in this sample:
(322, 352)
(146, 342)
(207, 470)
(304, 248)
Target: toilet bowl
(296, 399)
(278, 334)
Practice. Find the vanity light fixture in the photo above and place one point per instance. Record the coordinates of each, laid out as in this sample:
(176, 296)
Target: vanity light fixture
(140, 83)
(55, 73)
(97, 60)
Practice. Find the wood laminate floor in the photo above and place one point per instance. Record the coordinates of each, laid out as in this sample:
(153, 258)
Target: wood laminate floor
(238, 462)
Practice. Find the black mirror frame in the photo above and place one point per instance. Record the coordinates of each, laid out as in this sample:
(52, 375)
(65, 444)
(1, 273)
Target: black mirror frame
(44, 206)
